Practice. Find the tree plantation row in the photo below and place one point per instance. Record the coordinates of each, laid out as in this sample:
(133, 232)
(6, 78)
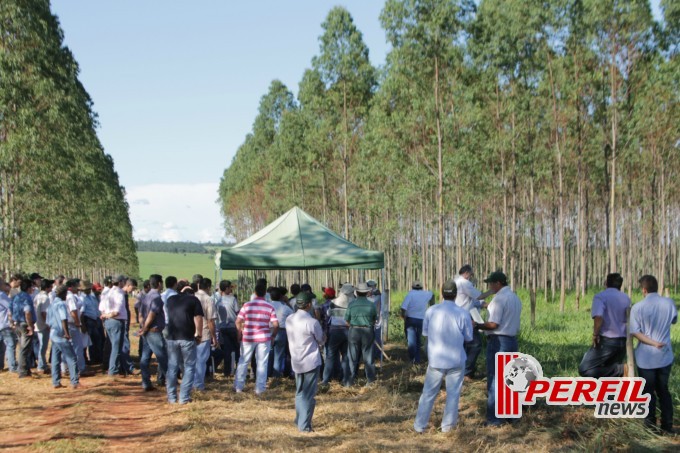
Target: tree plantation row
(62, 208)
(540, 138)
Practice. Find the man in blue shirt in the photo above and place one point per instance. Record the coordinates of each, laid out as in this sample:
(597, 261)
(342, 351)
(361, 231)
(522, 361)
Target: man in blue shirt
(8, 341)
(151, 333)
(650, 323)
(92, 323)
(447, 327)
(23, 316)
(62, 349)
(605, 357)
(413, 311)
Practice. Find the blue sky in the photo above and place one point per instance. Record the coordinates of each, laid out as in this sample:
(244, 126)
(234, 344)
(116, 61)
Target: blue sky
(177, 84)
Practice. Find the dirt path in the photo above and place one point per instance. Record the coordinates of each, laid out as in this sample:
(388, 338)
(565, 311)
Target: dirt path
(114, 414)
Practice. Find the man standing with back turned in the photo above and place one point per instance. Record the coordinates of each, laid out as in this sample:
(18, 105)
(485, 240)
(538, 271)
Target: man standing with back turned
(650, 323)
(185, 327)
(413, 311)
(604, 358)
(305, 337)
(447, 327)
(361, 317)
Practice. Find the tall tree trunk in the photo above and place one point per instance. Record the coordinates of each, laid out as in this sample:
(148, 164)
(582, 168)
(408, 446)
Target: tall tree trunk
(440, 181)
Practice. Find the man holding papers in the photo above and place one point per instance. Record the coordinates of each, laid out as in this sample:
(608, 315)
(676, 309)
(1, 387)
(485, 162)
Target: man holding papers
(468, 299)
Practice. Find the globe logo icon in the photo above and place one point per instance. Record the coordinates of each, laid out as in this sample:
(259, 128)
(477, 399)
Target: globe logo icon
(521, 371)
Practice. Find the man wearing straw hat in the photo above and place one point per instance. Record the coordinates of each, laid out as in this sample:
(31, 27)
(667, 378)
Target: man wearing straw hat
(361, 317)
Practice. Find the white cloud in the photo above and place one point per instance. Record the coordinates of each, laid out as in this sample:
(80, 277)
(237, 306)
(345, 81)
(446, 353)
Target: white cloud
(176, 212)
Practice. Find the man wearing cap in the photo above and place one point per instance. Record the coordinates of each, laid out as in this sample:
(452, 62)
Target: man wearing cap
(305, 338)
(413, 312)
(8, 340)
(22, 314)
(283, 311)
(74, 305)
(227, 310)
(151, 332)
(447, 327)
(62, 349)
(92, 323)
(502, 329)
(337, 340)
(376, 297)
(361, 317)
(469, 299)
(41, 302)
(253, 322)
(609, 313)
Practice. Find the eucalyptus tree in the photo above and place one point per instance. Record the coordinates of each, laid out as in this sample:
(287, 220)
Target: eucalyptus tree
(422, 71)
(348, 79)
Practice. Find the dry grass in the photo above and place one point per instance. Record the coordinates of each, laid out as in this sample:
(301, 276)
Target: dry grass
(116, 415)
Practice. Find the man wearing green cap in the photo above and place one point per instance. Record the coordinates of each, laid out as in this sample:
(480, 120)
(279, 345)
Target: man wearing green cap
(502, 329)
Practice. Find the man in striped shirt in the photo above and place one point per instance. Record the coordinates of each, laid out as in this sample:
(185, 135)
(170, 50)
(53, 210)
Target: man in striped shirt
(253, 322)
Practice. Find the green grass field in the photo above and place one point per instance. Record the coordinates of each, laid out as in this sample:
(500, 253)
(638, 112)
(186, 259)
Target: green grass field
(558, 341)
(181, 265)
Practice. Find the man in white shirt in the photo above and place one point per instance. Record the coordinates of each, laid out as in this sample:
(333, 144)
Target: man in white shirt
(305, 338)
(74, 306)
(41, 302)
(469, 299)
(115, 316)
(413, 311)
(447, 327)
(650, 323)
(503, 326)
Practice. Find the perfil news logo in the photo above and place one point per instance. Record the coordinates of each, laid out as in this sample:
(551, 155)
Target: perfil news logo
(519, 381)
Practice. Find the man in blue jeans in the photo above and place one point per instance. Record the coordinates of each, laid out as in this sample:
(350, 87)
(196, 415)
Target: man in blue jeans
(151, 333)
(23, 315)
(185, 327)
(609, 309)
(115, 315)
(502, 328)
(8, 341)
(361, 317)
(447, 327)
(413, 311)
(305, 337)
(277, 360)
(62, 349)
(650, 323)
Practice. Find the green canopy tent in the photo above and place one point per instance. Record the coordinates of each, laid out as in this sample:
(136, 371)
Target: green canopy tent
(297, 241)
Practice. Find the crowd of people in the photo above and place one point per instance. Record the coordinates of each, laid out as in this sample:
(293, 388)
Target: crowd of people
(192, 329)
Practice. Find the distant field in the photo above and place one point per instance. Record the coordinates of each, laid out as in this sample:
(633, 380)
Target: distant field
(178, 264)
